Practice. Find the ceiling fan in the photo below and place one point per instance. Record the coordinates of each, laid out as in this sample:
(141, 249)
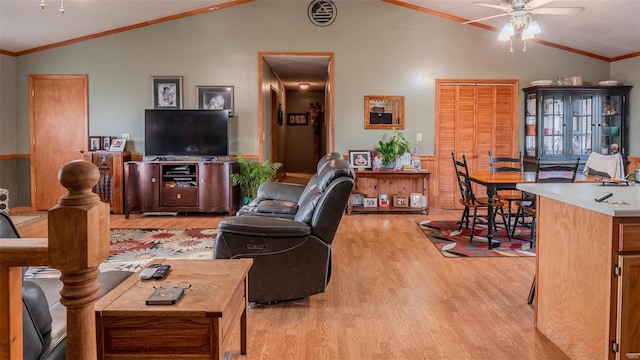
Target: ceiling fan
(519, 9)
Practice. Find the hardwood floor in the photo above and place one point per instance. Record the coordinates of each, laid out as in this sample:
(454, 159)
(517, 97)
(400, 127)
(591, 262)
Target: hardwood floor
(392, 295)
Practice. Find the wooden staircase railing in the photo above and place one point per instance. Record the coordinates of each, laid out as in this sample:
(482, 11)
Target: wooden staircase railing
(78, 242)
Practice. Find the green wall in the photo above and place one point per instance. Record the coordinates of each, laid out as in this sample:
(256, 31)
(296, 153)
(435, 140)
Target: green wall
(379, 49)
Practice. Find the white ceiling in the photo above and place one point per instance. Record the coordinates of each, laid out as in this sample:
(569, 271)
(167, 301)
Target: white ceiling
(607, 28)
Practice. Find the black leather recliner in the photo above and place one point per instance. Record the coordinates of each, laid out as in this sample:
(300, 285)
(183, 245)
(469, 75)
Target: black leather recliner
(292, 257)
(44, 318)
(282, 199)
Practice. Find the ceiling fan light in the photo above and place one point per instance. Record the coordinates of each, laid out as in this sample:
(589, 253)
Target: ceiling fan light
(531, 31)
(506, 33)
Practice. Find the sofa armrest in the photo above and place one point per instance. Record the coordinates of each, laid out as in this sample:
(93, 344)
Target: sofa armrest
(260, 226)
(272, 190)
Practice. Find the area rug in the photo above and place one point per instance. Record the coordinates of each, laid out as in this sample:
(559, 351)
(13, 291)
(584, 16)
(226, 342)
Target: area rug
(132, 249)
(26, 219)
(445, 237)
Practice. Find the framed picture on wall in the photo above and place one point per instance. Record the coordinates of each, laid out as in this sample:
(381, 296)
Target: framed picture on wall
(215, 98)
(297, 119)
(167, 92)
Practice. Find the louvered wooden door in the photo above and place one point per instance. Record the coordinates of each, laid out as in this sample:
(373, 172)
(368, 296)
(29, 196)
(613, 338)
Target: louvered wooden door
(472, 117)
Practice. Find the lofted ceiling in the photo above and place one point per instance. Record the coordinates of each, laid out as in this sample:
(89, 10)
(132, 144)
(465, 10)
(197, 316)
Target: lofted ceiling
(606, 29)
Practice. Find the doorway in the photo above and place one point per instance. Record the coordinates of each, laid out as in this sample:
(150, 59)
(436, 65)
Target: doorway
(58, 116)
(285, 98)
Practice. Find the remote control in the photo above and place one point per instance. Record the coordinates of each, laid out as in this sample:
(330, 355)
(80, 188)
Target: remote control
(161, 272)
(603, 197)
(148, 272)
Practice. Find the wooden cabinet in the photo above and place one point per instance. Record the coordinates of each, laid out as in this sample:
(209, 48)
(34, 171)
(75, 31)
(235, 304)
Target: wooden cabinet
(180, 187)
(372, 183)
(472, 117)
(110, 186)
(588, 281)
(563, 123)
(218, 196)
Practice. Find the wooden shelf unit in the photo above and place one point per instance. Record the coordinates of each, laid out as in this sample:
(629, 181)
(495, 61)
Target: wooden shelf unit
(171, 186)
(110, 186)
(372, 183)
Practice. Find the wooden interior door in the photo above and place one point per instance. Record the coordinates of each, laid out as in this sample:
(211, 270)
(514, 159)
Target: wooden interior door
(58, 112)
(472, 117)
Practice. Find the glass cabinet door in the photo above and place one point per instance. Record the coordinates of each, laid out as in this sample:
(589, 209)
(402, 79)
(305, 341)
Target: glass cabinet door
(609, 133)
(582, 124)
(531, 125)
(553, 125)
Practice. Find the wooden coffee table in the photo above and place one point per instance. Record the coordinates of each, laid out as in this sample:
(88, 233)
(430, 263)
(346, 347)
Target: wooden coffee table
(197, 327)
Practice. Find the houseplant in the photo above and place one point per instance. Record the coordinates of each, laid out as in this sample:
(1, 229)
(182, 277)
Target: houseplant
(388, 151)
(251, 173)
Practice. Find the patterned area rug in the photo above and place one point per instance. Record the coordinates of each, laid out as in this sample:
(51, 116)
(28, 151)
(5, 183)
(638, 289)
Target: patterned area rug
(132, 249)
(452, 243)
(26, 219)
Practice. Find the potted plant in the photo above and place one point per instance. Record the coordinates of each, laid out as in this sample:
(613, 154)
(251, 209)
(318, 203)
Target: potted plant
(388, 151)
(251, 174)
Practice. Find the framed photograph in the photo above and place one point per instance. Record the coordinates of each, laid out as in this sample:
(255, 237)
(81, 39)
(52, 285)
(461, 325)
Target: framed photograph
(297, 119)
(106, 143)
(384, 112)
(167, 92)
(370, 202)
(95, 143)
(357, 200)
(215, 98)
(415, 200)
(360, 159)
(383, 200)
(117, 144)
(400, 201)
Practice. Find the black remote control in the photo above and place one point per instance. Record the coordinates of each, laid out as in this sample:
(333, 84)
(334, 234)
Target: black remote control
(603, 197)
(147, 273)
(161, 272)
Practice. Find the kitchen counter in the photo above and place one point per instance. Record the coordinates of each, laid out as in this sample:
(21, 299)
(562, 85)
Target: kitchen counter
(587, 299)
(625, 201)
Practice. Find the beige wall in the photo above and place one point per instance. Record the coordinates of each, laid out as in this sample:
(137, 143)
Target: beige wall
(299, 139)
(379, 49)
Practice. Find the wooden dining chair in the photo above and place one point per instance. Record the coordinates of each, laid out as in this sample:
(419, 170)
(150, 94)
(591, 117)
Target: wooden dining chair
(507, 164)
(545, 173)
(470, 202)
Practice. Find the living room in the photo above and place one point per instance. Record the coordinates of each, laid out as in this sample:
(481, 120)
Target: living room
(466, 309)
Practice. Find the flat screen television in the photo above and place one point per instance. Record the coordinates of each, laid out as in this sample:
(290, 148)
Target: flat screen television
(201, 133)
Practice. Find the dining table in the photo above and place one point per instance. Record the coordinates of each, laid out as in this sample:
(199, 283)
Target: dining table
(507, 180)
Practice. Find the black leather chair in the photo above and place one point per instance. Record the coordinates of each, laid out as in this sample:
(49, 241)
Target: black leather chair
(292, 257)
(281, 199)
(44, 328)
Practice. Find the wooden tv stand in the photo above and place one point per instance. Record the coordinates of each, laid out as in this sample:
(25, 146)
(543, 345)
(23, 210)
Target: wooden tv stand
(180, 186)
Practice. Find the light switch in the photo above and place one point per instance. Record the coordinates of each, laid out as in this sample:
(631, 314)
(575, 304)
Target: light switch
(126, 136)
(418, 136)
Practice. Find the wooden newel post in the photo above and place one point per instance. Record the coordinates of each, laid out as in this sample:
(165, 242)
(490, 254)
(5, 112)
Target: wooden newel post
(78, 243)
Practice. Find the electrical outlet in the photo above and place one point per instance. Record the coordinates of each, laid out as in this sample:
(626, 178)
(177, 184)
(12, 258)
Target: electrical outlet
(126, 136)
(418, 136)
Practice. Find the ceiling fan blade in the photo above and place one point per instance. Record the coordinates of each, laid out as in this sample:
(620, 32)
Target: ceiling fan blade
(537, 3)
(494, 6)
(485, 18)
(558, 11)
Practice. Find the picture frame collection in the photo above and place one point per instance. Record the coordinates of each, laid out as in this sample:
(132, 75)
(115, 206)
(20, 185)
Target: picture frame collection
(106, 143)
(414, 200)
(167, 93)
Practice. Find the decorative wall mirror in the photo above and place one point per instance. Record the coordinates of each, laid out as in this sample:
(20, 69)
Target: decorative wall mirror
(383, 112)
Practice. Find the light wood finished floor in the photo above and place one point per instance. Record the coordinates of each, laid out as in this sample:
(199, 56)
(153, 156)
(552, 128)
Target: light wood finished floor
(392, 296)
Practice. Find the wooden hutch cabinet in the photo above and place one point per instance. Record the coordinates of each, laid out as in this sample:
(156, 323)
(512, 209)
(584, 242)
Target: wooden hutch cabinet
(110, 186)
(566, 122)
(172, 186)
